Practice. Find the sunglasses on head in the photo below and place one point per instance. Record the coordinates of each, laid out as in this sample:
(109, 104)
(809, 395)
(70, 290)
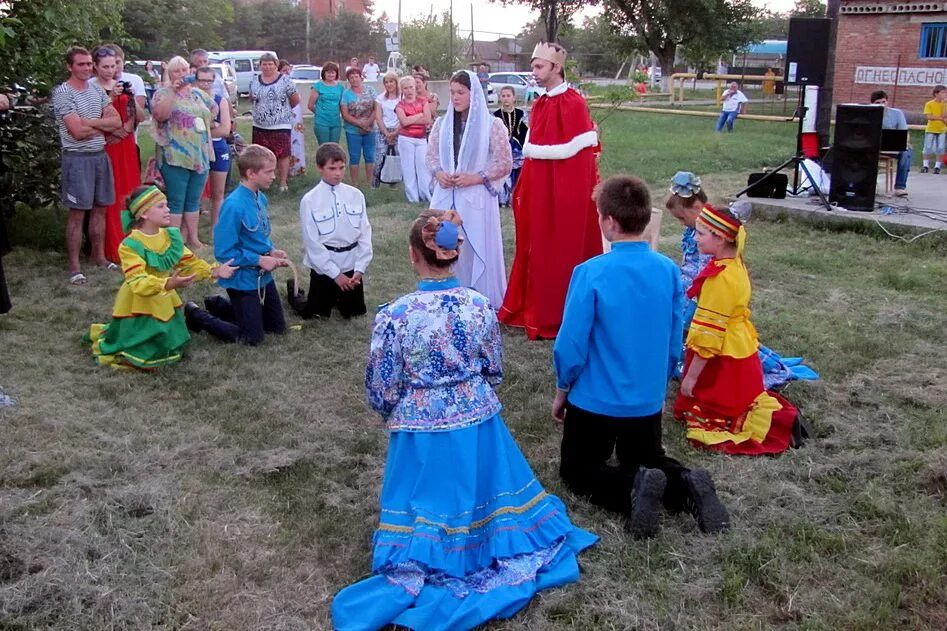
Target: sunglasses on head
(104, 52)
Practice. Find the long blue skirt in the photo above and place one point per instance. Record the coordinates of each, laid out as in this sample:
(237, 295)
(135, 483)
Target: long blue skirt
(467, 534)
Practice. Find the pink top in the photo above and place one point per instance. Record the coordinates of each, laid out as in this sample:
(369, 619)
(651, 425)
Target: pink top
(418, 130)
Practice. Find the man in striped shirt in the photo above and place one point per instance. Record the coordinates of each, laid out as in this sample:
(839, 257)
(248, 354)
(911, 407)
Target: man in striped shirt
(84, 114)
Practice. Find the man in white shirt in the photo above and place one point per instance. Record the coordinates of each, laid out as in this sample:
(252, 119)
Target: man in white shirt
(337, 242)
(370, 70)
(734, 104)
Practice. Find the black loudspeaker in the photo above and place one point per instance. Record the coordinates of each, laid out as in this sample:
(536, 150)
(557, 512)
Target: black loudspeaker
(855, 156)
(807, 51)
(773, 188)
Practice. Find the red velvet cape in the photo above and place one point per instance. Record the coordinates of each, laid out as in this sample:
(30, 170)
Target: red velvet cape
(556, 219)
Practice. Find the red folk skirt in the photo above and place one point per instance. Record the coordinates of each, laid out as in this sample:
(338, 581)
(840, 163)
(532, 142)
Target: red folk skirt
(731, 412)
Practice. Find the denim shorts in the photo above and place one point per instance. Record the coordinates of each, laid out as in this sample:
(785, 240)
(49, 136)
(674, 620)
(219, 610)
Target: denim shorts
(361, 145)
(934, 143)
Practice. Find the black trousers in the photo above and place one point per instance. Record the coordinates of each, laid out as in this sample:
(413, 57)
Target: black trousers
(325, 294)
(588, 441)
(242, 318)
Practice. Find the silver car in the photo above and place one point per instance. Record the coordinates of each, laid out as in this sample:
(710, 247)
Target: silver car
(519, 81)
(225, 72)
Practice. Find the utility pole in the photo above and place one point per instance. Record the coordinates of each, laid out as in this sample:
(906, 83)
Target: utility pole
(473, 47)
(308, 30)
(450, 35)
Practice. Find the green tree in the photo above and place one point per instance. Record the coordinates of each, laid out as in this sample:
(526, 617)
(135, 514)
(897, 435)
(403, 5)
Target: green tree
(708, 27)
(808, 9)
(346, 35)
(426, 41)
(173, 27)
(553, 14)
(267, 25)
(34, 34)
(598, 48)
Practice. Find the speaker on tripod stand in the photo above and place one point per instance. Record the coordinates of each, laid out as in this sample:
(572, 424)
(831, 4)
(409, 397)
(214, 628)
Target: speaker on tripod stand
(855, 152)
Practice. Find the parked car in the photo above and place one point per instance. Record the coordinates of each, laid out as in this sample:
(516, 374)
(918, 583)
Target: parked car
(519, 81)
(492, 97)
(306, 73)
(225, 71)
(246, 65)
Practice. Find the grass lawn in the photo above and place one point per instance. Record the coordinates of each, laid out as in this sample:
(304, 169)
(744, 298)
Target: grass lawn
(238, 490)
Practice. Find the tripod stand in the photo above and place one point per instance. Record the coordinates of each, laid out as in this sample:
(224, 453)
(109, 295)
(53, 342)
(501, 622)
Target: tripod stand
(797, 161)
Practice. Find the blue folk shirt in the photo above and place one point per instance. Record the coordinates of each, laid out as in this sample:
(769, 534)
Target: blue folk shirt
(620, 338)
(436, 355)
(242, 233)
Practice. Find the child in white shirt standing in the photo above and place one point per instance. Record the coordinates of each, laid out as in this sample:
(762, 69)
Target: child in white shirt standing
(337, 242)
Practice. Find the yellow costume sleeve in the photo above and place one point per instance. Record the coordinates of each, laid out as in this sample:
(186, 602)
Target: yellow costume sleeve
(721, 323)
(137, 277)
(190, 264)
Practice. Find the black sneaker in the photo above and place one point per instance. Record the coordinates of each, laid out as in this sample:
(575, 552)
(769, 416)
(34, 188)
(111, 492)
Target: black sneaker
(192, 322)
(924, 169)
(936, 170)
(702, 502)
(645, 501)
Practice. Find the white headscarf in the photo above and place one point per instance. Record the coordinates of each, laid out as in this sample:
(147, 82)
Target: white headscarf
(475, 142)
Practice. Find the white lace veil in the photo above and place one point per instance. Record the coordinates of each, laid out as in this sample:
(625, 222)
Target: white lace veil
(475, 142)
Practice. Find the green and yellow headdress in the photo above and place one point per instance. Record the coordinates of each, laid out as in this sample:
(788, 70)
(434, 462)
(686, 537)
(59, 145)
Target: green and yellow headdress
(140, 204)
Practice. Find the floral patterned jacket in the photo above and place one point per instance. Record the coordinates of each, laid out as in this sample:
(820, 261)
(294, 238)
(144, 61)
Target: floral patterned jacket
(436, 355)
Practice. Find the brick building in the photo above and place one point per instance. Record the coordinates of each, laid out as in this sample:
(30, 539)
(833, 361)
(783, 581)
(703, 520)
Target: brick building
(322, 8)
(899, 47)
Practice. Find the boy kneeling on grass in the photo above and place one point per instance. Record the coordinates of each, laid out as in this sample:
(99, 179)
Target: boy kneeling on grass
(337, 242)
(618, 346)
(242, 235)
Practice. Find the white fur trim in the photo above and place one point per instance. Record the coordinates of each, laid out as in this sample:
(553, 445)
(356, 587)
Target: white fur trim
(563, 151)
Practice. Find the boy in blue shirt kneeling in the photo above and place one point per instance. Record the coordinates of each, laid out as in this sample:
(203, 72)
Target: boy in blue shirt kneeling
(242, 238)
(618, 346)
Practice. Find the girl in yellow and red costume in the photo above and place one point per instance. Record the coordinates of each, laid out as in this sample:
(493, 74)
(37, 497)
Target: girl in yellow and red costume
(722, 398)
(148, 327)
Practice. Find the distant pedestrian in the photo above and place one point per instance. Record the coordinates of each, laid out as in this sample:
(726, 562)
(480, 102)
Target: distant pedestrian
(370, 70)
(936, 130)
(734, 104)
(483, 75)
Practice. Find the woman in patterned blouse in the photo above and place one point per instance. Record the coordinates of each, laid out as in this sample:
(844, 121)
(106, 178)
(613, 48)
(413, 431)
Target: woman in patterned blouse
(467, 533)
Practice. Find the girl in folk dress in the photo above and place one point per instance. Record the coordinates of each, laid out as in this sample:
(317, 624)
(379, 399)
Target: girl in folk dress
(467, 533)
(148, 327)
(722, 398)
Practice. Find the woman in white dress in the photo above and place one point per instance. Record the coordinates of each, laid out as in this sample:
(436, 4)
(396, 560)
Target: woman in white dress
(297, 160)
(469, 156)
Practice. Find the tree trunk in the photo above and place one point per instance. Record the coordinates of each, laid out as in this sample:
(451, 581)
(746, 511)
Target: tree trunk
(666, 59)
(551, 18)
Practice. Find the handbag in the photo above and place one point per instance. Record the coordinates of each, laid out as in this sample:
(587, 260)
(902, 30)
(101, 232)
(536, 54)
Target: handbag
(391, 167)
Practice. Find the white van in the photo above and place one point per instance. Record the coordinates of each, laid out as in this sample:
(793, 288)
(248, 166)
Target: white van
(246, 64)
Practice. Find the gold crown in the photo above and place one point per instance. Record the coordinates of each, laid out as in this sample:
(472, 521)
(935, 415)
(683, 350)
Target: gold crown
(553, 53)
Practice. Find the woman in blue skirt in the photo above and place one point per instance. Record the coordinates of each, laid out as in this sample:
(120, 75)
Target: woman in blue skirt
(467, 533)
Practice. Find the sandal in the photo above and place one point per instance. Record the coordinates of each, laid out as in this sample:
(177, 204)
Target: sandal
(78, 279)
(112, 267)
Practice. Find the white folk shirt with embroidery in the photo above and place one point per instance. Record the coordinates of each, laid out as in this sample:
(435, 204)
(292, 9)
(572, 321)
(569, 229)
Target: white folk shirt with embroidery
(335, 216)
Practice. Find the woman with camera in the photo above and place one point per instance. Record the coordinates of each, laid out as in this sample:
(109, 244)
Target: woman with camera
(120, 144)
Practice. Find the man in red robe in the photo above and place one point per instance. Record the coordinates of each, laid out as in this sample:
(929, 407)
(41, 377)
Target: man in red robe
(556, 220)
